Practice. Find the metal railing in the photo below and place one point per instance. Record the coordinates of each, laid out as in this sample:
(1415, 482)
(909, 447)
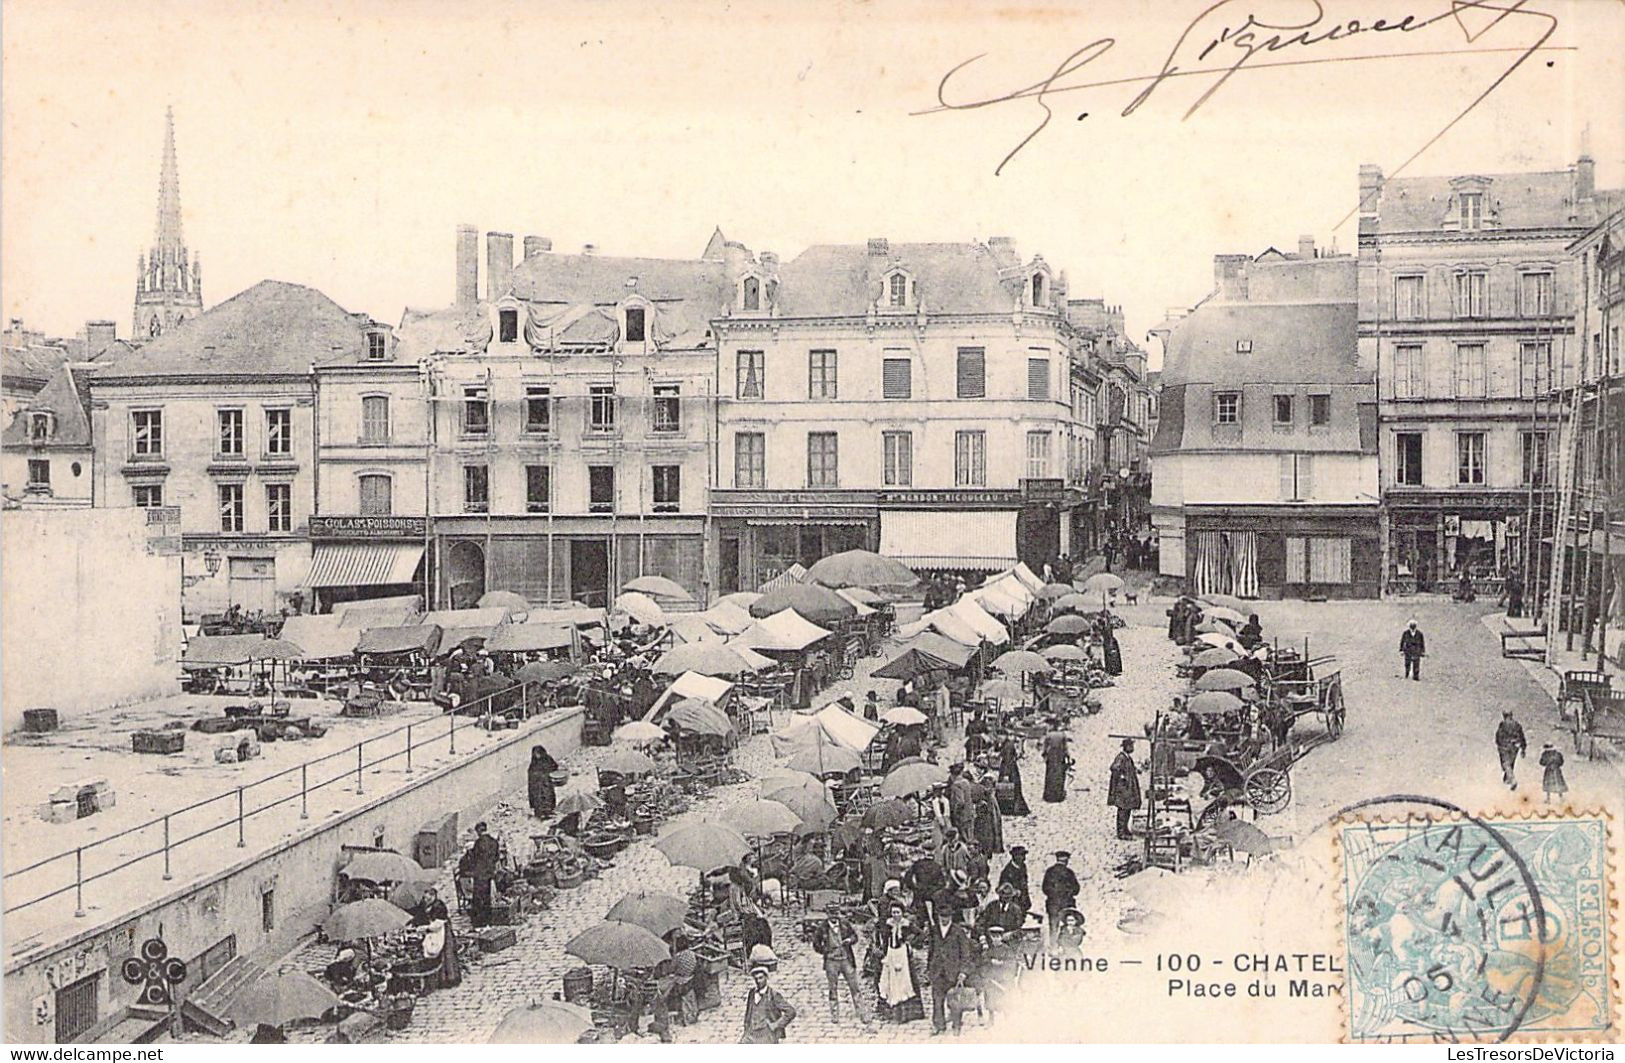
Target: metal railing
(239, 810)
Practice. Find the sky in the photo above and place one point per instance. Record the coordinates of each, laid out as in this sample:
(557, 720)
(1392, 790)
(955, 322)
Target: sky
(340, 144)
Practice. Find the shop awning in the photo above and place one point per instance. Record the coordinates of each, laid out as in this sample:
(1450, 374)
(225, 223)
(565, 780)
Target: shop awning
(960, 540)
(320, 637)
(363, 564)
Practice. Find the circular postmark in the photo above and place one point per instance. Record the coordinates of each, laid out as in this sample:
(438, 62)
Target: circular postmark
(1447, 931)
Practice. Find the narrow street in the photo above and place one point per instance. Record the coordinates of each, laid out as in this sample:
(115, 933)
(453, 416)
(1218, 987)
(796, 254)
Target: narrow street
(1430, 738)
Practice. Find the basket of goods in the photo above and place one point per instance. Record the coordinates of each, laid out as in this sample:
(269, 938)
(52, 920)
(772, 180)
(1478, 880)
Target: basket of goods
(397, 1010)
(602, 844)
(578, 984)
(643, 819)
(570, 874)
(560, 777)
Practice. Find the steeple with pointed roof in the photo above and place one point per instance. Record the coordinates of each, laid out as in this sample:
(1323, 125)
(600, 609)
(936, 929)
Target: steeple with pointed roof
(168, 285)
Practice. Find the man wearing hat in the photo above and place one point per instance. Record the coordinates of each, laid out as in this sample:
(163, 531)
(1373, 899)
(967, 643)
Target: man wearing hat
(1123, 793)
(949, 961)
(1413, 646)
(1510, 744)
(834, 941)
(480, 864)
(1060, 890)
(767, 1013)
(1006, 912)
(1015, 875)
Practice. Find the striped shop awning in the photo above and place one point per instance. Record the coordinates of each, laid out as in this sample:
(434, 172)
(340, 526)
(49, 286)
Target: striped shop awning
(363, 564)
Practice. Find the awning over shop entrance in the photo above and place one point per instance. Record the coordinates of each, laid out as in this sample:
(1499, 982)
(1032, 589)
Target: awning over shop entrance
(974, 539)
(363, 564)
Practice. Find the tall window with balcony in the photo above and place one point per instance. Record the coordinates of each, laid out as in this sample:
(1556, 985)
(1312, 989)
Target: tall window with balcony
(970, 459)
(1470, 458)
(229, 441)
(749, 379)
(1038, 455)
(971, 373)
(1408, 298)
(601, 408)
(897, 377)
(1038, 378)
(600, 489)
(1534, 368)
(278, 433)
(147, 496)
(897, 455)
(375, 419)
(1472, 294)
(668, 488)
(1535, 468)
(823, 468)
(1408, 379)
(750, 460)
(279, 507)
(1470, 371)
(476, 412)
(668, 408)
(376, 492)
(538, 488)
(231, 507)
(1537, 294)
(476, 489)
(538, 410)
(821, 375)
(147, 433)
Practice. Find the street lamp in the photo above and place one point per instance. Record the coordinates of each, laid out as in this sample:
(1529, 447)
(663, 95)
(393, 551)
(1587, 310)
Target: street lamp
(211, 561)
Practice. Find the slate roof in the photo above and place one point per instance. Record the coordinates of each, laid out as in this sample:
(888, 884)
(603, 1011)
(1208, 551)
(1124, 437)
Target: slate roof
(1538, 200)
(843, 279)
(64, 395)
(1291, 342)
(273, 328)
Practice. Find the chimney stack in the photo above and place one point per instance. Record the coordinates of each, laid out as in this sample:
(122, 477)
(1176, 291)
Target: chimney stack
(99, 335)
(1585, 177)
(879, 247)
(1306, 247)
(1370, 187)
(770, 261)
(1230, 277)
(468, 266)
(498, 265)
(537, 245)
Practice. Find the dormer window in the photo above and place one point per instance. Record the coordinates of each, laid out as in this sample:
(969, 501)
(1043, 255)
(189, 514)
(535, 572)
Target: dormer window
(750, 294)
(899, 290)
(377, 347)
(1040, 295)
(1472, 210)
(635, 330)
(508, 325)
(39, 426)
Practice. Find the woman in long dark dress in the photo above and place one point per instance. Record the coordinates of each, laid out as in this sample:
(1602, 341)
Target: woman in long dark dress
(1010, 772)
(539, 779)
(1056, 759)
(1111, 652)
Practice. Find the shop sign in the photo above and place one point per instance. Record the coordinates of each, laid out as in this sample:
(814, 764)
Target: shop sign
(962, 499)
(368, 527)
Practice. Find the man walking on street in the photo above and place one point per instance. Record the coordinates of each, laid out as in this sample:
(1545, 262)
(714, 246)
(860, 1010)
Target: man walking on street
(834, 942)
(1015, 875)
(1510, 744)
(1060, 891)
(480, 864)
(948, 963)
(1123, 792)
(1413, 647)
(767, 1013)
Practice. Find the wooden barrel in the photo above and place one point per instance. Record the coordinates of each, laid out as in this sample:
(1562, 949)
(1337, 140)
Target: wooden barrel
(578, 985)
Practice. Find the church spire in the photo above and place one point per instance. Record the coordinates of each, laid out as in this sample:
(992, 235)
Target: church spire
(168, 235)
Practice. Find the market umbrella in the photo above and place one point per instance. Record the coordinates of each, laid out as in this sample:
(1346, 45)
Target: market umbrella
(1068, 624)
(618, 945)
(1212, 703)
(546, 671)
(579, 802)
(1240, 834)
(740, 599)
(640, 607)
(904, 716)
(701, 717)
(659, 588)
(861, 568)
(1223, 679)
(363, 919)
(778, 778)
(913, 777)
(382, 865)
(891, 813)
(1227, 601)
(808, 801)
(1101, 583)
(825, 761)
(1225, 613)
(1216, 657)
(1065, 652)
(706, 658)
(658, 913)
(864, 595)
(703, 845)
(1070, 603)
(1220, 638)
(1021, 662)
(551, 1022)
(281, 999)
(513, 602)
(761, 817)
(812, 601)
(409, 894)
(627, 762)
(911, 664)
(1003, 689)
(639, 731)
(1215, 627)
(1051, 591)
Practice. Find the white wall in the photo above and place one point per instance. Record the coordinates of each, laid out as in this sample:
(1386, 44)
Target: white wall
(90, 619)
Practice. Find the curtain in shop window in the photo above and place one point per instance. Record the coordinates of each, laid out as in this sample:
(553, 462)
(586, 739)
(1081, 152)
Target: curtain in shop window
(1329, 560)
(1212, 569)
(1243, 549)
(1297, 568)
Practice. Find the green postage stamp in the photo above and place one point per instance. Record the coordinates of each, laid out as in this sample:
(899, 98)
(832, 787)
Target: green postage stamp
(1467, 929)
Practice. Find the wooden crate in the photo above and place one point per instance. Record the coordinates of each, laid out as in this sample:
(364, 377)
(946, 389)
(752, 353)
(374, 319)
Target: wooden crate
(158, 741)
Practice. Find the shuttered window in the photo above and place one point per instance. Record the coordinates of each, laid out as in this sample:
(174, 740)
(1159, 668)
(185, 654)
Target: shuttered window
(1329, 559)
(897, 378)
(1297, 477)
(898, 448)
(1038, 378)
(1297, 568)
(972, 374)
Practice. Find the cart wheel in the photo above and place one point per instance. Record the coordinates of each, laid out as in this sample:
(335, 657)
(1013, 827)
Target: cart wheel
(1334, 720)
(1269, 790)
